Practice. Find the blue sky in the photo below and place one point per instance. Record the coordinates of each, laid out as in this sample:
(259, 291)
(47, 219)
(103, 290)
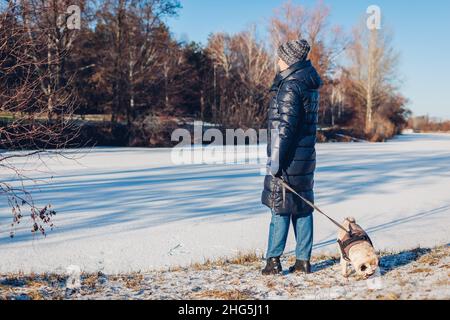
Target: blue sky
(422, 36)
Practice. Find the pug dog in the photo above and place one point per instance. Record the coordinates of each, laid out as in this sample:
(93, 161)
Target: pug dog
(356, 249)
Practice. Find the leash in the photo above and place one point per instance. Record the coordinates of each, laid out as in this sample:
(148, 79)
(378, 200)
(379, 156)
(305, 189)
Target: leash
(312, 205)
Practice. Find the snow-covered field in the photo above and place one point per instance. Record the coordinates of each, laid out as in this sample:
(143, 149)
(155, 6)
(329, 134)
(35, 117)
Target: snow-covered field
(128, 210)
(413, 274)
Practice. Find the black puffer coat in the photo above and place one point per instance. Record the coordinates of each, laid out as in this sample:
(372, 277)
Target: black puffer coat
(294, 115)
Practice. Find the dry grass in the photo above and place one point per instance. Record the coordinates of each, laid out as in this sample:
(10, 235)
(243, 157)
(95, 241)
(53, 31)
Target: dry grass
(35, 295)
(270, 284)
(223, 295)
(90, 280)
(292, 290)
(241, 259)
(420, 270)
(176, 269)
(402, 282)
(134, 281)
(389, 296)
(245, 259)
(208, 264)
(443, 282)
(323, 257)
(434, 257)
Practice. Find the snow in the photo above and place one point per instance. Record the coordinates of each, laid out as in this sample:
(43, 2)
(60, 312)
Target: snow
(125, 210)
(420, 274)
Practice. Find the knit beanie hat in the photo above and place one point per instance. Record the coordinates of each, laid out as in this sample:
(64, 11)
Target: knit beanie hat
(294, 51)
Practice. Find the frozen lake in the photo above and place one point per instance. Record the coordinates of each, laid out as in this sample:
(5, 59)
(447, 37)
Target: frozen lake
(124, 209)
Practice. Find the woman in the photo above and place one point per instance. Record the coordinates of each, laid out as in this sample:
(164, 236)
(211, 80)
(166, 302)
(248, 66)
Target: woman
(293, 117)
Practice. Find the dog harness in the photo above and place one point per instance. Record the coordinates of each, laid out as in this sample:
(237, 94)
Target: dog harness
(354, 236)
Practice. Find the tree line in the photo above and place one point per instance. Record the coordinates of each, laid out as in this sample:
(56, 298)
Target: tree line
(427, 124)
(124, 63)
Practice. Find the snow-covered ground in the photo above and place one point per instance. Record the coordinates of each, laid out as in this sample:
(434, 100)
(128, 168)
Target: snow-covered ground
(412, 274)
(127, 210)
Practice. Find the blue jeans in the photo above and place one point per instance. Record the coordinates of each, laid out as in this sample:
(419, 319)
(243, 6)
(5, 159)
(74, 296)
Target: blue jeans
(278, 234)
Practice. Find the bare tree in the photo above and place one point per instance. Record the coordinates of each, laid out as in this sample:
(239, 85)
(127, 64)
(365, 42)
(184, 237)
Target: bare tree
(27, 131)
(291, 22)
(58, 23)
(134, 29)
(373, 69)
(177, 73)
(242, 70)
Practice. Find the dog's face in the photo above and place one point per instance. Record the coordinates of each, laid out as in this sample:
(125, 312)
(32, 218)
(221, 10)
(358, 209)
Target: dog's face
(364, 260)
